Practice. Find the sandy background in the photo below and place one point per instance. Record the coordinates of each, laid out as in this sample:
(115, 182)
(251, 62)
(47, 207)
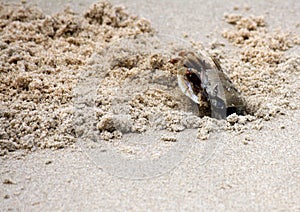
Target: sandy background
(71, 81)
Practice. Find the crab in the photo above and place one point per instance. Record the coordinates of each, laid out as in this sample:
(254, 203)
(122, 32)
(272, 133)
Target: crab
(201, 78)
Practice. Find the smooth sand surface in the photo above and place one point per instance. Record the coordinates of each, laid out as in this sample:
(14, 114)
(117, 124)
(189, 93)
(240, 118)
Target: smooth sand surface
(253, 170)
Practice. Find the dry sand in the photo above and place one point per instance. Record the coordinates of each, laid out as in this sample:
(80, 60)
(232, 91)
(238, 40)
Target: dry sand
(98, 85)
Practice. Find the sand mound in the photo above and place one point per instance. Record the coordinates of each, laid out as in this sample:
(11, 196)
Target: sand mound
(44, 57)
(41, 59)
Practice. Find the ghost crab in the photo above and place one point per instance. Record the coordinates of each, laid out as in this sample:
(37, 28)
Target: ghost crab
(201, 78)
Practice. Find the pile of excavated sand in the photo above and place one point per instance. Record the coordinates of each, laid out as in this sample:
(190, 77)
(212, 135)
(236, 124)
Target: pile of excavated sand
(43, 58)
(40, 61)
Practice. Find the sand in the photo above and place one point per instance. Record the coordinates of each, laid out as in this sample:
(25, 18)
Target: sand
(98, 85)
(41, 63)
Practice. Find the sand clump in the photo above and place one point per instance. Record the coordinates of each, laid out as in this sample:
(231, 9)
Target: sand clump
(136, 96)
(41, 59)
(264, 72)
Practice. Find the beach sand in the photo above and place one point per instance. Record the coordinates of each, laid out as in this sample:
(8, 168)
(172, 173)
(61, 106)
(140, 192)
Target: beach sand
(92, 116)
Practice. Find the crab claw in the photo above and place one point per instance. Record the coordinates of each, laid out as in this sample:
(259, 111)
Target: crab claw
(186, 87)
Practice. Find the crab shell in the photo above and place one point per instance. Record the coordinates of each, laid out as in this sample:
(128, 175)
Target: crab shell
(215, 85)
